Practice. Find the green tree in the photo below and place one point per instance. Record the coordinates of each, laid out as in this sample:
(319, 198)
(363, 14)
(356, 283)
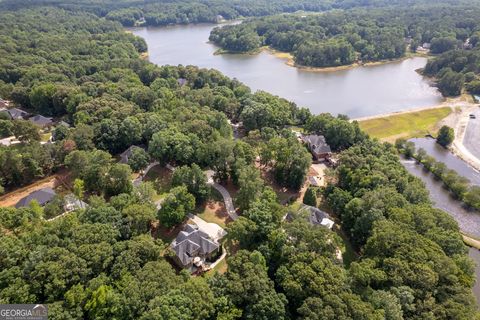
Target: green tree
(176, 206)
(78, 188)
(119, 180)
(445, 136)
(194, 179)
(25, 131)
(310, 197)
(139, 159)
(251, 186)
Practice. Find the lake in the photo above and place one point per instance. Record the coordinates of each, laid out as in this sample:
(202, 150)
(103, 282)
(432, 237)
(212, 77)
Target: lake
(357, 92)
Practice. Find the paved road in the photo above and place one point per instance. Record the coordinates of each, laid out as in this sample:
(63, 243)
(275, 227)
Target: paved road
(225, 194)
(471, 141)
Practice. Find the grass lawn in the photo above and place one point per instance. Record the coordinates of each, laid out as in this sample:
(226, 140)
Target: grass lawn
(214, 211)
(45, 136)
(407, 125)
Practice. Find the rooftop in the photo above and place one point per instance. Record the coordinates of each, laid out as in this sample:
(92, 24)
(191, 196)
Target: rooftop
(318, 217)
(191, 243)
(317, 143)
(17, 114)
(42, 196)
(40, 120)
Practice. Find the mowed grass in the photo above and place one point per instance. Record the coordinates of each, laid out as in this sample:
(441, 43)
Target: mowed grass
(406, 125)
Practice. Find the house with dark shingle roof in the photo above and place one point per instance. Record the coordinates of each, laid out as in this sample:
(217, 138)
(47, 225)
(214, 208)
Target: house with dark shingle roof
(41, 121)
(17, 114)
(42, 196)
(193, 248)
(318, 146)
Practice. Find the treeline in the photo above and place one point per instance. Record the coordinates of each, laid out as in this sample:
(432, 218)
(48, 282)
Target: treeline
(87, 72)
(457, 184)
(164, 12)
(103, 263)
(456, 70)
(405, 252)
(341, 38)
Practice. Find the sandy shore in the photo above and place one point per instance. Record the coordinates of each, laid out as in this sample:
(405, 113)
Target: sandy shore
(291, 62)
(396, 113)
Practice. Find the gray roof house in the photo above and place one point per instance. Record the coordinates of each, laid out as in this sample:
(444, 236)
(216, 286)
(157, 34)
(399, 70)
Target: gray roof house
(17, 114)
(318, 217)
(72, 203)
(314, 215)
(193, 247)
(318, 146)
(42, 196)
(41, 121)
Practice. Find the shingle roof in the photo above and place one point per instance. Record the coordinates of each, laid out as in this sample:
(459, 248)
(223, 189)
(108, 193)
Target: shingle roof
(317, 216)
(125, 155)
(317, 144)
(40, 120)
(42, 196)
(71, 202)
(16, 113)
(191, 243)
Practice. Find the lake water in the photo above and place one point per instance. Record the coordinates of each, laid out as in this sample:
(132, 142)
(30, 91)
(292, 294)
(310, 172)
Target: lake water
(357, 92)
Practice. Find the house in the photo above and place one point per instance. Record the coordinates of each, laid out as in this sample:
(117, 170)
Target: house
(125, 155)
(17, 114)
(41, 121)
(318, 217)
(314, 215)
(72, 203)
(42, 196)
(318, 146)
(194, 247)
(314, 182)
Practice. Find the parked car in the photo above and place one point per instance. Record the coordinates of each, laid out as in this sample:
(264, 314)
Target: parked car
(472, 116)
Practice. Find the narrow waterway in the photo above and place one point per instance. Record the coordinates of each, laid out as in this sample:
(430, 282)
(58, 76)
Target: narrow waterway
(358, 92)
(468, 220)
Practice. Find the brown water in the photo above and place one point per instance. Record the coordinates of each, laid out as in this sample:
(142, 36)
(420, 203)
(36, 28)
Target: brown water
(357, 92)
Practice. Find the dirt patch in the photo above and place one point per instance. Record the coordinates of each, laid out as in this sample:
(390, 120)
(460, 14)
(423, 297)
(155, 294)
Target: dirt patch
(61, 179)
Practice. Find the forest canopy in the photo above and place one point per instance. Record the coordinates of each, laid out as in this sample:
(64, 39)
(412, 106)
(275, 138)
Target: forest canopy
(106, 261)
(338, 38)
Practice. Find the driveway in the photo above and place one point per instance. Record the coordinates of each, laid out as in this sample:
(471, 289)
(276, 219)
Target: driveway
(213, 230)
(225, 194)
(471, 141)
